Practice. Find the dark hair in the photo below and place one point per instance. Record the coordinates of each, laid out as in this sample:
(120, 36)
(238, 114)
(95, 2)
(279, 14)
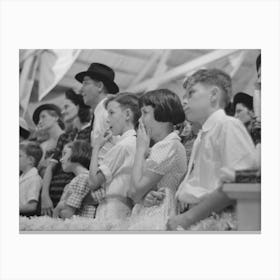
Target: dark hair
(128, 101)
(243, 98)
(258, 62)
(215, 77)
(81, 152)
(84, 114)
(75, 98)
(32, 149)
(23, 133)
(167, 105)
(84, 111)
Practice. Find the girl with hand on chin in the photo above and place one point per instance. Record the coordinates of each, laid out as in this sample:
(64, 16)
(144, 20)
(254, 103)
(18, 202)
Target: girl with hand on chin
(164, 166)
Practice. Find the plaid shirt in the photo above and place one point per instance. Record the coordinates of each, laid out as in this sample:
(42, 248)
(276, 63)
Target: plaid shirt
(98, 195)
(77, 195)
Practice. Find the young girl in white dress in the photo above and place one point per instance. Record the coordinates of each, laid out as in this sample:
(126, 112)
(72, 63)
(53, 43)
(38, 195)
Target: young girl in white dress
(161, 168)
(115, 169)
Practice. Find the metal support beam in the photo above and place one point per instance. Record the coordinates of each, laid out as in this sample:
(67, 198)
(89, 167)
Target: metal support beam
(237, 61)
(146, 69)
(161, 68)
(183, 69)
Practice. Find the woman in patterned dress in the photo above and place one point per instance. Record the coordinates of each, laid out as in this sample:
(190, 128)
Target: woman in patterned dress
(163, 166)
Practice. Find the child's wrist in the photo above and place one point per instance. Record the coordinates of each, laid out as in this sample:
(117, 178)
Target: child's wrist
(96, 146)
(141, 150)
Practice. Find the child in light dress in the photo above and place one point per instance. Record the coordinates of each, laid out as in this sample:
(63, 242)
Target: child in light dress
(161, 167)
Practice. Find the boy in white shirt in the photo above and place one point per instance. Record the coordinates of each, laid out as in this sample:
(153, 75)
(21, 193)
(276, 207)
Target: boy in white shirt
(114, 171)
(30, 182)
(223, 145)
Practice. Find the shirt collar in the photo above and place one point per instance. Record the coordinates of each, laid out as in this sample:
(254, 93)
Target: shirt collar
(171, 136)
(212, 120)
(100, 105)
(32, 172)
(130, 132)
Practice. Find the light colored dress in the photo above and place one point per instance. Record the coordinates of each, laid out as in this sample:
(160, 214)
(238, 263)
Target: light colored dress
(167, 158)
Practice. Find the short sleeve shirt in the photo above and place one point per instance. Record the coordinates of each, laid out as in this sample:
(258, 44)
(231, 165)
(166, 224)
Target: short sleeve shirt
(30, 185)
(77, 194)
(223, 142)
(168, 158)
(117, 164)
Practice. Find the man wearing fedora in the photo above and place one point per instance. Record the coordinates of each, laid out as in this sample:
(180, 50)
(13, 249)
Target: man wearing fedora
(97, 85)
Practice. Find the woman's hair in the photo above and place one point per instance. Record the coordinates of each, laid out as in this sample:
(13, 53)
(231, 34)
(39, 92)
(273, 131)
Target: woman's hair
(59, 121)
(81, 152)
(127, 101)
(32, 149)
(75, 98)
(167, 105)
(84, 113)
(212, 77)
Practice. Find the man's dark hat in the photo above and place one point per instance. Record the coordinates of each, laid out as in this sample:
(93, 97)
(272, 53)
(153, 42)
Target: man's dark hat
(243, 98)
(49, 106)
(100, 72)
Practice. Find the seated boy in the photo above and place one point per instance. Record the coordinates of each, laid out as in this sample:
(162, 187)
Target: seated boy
(30, 183)
(222, 146)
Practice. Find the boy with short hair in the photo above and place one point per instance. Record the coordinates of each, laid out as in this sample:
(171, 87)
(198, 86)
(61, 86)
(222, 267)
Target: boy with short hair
(223, 144)
(30, 182)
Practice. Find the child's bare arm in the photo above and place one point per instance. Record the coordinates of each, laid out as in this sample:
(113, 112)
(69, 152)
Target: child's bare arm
(58, 208)
(46, 202)
(67, 212)
(96, 178)
(30, 206)
(214, 202)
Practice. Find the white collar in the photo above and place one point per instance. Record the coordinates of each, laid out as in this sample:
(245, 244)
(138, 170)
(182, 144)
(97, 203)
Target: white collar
(171, 136)
(128, 133)
(212, 120)
(100, 105)
(32, 172)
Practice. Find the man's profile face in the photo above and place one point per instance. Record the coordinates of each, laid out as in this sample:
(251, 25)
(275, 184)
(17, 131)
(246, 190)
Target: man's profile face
(90, 91)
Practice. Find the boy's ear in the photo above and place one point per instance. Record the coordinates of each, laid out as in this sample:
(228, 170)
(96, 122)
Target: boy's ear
(128, 114)
(31, 160)
(215, 95)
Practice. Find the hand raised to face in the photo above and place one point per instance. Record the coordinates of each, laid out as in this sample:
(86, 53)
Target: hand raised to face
(143, 138)
(101, 138)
